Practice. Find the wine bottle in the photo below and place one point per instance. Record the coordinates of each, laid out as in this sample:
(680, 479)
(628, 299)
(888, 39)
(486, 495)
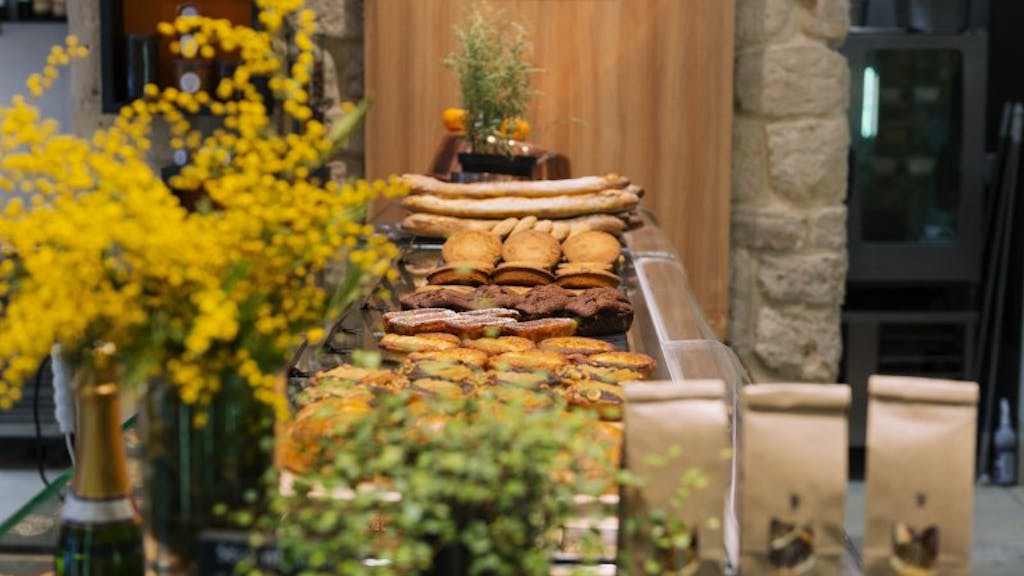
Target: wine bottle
(100, 531)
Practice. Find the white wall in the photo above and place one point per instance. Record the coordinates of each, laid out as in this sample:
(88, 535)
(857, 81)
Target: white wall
(23, 50)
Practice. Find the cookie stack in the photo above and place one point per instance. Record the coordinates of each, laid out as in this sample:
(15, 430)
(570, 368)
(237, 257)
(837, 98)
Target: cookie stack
(529, 258)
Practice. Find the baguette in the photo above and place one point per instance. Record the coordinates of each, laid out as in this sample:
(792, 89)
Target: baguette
(437, 226)
(420, 184)
(604, 202)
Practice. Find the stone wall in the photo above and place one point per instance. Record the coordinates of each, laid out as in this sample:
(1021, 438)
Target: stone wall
(790, 139)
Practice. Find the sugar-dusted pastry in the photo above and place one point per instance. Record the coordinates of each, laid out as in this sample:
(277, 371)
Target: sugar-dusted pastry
(543, 328)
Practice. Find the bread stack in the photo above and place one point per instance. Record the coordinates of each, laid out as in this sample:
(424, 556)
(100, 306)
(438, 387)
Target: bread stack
(560, 208)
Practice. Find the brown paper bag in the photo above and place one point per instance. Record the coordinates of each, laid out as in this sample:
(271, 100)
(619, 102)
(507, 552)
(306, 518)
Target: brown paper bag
(920, 476)
(676, 437)
(793, 459)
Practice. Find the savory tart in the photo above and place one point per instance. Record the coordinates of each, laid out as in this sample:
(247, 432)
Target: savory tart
(576, 345)
(605, 399)
(419, 343)
(462, 355)
(500, 345)
(528, 360)
(636, 361)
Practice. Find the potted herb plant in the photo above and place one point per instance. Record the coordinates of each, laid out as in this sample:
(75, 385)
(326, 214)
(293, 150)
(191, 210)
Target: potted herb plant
(494, 78)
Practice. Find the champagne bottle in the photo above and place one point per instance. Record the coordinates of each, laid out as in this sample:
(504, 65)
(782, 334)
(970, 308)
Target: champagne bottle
(100, 530)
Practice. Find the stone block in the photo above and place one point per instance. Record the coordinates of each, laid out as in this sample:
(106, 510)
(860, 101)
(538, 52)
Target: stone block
(803, 77)
(742, 300)
(749, 160)
(768, 229)
(799, 343)
(758, 21)
(85, 76)
(828, 228)
(828, 19)
(807, 159)
(342, 18)
(817, 278)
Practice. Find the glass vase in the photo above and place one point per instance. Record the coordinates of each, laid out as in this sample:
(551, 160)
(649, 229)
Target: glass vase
(194, 474)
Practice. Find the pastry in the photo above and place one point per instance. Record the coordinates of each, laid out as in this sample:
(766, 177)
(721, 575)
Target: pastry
(473, 327)
(528, 360)
(641, 363)
(343, 389)
(592, 246)
(543, 328)
(465, 375)
(534, 379)
(307, 441)
(524, 224)
(464, 355)
(587, 279)
(471, 246)
(504, 227)
(576, 345)
(434, 226)
(579, 372)
(418, 343)
(528, 398)
(601, 311)
(500, 345)
(494, 312)
(567, 267)
(466, 273)
(420, 184)
(438, 388)
(417, 322)
(537, 248)
(604, 202)
(560, 229)
(521, 274)
(605, 399)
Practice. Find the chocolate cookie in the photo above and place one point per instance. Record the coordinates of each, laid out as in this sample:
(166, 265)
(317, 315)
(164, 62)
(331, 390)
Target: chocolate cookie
(544, 302)
(601, 311)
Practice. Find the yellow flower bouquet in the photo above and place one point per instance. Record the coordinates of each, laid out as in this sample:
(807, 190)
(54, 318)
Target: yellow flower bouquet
(211, 303)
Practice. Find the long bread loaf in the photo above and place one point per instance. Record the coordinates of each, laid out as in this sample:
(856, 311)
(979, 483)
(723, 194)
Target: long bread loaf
(436, 226)
(604, 202)
(420, 184)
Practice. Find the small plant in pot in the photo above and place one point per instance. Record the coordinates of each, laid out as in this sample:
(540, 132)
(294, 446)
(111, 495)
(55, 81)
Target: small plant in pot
(411, 484)
(494, 77)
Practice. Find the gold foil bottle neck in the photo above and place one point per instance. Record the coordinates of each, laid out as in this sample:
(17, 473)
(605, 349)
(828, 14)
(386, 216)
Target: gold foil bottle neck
(101, 472)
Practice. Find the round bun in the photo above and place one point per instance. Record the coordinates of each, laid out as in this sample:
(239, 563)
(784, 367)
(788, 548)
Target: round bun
(472, 246)
(592, 246)
(537, 248)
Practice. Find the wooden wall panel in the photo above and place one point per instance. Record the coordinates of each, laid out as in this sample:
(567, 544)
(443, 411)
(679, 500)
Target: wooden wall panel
(639, 87)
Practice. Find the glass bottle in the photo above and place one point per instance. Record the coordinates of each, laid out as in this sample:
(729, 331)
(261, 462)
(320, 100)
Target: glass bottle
(100, 530)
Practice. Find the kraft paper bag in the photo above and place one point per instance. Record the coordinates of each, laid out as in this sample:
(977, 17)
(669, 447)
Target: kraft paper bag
(920, 476)
(793, 468)
(676, 437)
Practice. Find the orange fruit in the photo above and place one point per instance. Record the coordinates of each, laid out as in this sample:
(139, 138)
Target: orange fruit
(514, 128)
(454, 119)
